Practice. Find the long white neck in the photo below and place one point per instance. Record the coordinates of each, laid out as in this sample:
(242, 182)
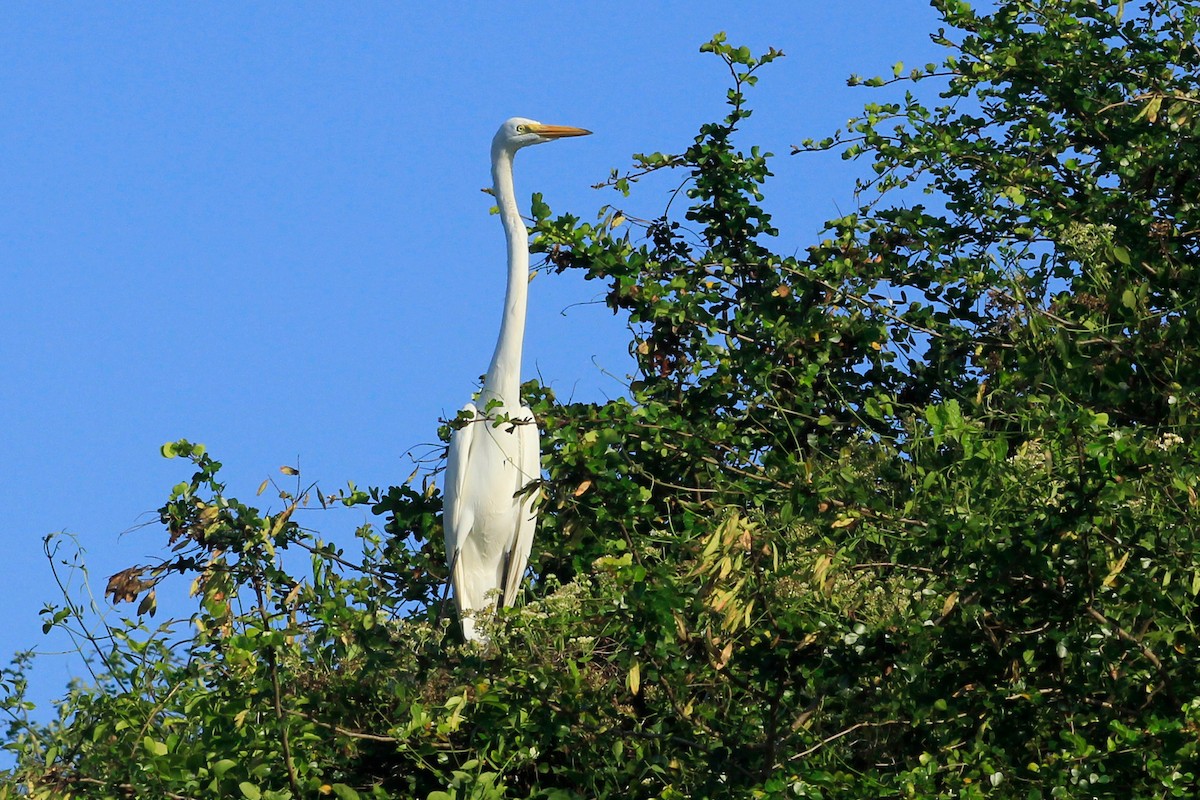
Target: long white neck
(503, 381)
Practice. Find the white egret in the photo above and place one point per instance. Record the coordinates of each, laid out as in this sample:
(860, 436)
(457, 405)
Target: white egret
(489, 517)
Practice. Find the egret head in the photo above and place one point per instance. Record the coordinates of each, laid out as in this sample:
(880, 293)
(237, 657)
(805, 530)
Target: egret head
(519, 132)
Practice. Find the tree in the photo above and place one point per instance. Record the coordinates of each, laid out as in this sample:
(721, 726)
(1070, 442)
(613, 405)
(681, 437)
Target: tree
(909, 515)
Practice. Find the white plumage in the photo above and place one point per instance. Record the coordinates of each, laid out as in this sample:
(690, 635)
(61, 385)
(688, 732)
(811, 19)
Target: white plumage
(489, 516)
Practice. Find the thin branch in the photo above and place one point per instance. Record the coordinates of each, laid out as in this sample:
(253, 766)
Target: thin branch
(328, 556)
(1148, 96)
(875, 307)
(875, 515)
(903, 78)
(125, 788)
(338, 729)
(157, 709)
(892, 565)
(632, 176)
(830, 739)
(273, 663)
(1126, 636)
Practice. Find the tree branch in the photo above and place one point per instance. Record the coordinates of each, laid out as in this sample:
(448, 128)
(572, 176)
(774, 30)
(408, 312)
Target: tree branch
(1125, 635)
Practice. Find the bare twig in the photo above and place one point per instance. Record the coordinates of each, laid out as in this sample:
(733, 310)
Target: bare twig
(892, 565)
(338, 729)
(833, 738)
(632, 176)
(125, 788)
(875, 515)
(1148, 96)
(1125, 635)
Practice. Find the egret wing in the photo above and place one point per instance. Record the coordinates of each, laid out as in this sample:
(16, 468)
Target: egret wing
(454, 522)
(530, 468)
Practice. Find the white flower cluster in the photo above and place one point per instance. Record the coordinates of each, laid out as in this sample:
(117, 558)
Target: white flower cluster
(1030, 455)
(1168, 440)
(1087, 240)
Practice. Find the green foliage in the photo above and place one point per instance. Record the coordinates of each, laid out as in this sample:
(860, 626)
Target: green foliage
(907, 515)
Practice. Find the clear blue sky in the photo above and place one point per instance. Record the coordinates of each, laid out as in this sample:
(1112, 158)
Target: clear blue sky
(259, 226)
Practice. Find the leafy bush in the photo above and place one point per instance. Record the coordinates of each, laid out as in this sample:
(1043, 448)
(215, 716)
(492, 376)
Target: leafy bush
(908, 515)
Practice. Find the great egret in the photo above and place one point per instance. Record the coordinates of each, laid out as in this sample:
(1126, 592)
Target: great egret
(489, 518)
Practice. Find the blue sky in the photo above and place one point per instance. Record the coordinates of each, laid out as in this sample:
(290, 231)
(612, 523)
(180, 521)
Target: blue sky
(259, 226)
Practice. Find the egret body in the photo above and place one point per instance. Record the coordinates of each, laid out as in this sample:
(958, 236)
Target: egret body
(489, 518)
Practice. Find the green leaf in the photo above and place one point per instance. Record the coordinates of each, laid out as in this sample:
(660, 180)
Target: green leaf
(154, 747)
(250, 791)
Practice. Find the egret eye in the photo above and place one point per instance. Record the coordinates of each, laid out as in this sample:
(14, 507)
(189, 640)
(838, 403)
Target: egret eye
(520, 129)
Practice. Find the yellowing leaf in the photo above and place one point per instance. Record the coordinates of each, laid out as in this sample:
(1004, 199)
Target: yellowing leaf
(634, 679)
(292, 595)
(723, 658)
(1115, 569)
(280, 521)
(262, 487)
(456, 704)
(733, 618)
(821, 572)
(1151, 109)
(710, 547)
(149, 604)
(720, 599)
(951, 601)
(582, 487)
(681, 628)
(286, 470)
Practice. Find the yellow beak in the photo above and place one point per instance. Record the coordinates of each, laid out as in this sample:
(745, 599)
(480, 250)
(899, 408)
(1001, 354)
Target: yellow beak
(558, 131)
